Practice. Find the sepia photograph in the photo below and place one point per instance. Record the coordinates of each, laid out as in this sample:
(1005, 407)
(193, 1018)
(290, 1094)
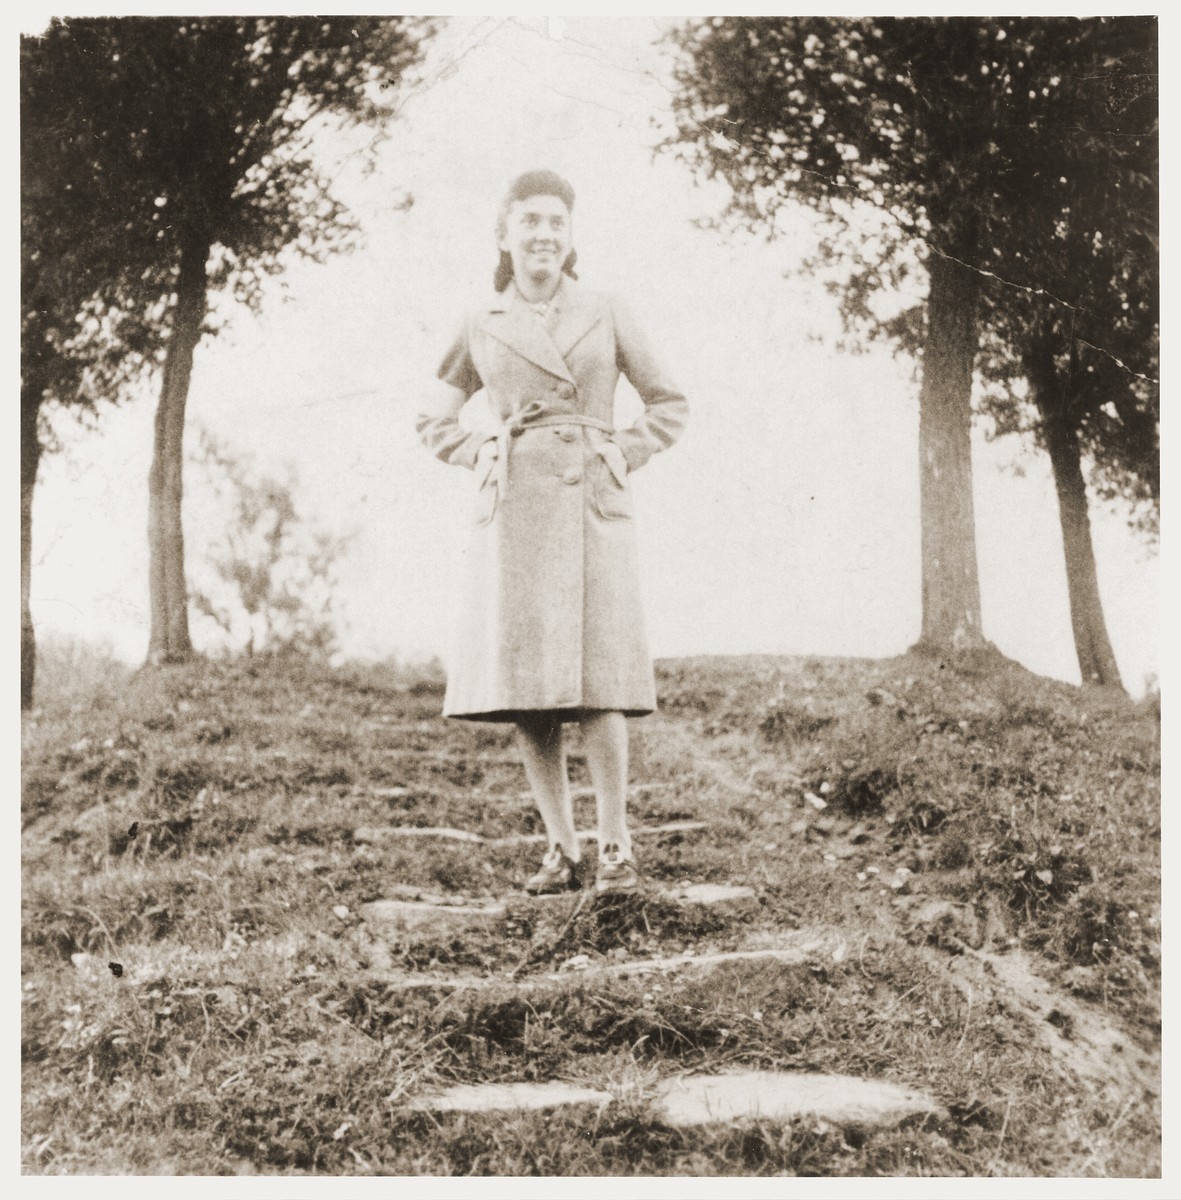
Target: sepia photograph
(590, 598)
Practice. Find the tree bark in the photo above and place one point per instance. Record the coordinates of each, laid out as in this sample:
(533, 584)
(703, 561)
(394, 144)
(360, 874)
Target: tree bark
(1096, 659)
(169, 640)
(30, 460)
(951, 586)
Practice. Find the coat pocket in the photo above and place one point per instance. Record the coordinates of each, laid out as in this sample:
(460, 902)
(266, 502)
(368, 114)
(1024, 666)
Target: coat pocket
(612, 492)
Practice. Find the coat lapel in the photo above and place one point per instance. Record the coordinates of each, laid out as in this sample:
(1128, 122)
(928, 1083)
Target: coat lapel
(511, 321)
(575, 317)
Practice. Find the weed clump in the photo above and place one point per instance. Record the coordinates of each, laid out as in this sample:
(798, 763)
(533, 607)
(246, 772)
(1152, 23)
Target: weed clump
(923, 815)
(179, 783)
(1035, 877)
(859, 771)
(858, 791)
(102, 925)
(785, 721)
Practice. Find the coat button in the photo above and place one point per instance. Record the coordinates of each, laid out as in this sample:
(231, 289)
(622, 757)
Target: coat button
(567, 435)
(571, 475)
(565, 390)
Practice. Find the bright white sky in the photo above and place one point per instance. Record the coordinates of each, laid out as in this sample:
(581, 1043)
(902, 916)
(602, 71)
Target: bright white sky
(787, 518)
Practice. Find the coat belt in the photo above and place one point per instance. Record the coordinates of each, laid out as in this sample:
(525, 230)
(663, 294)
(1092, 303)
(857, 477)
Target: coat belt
(535, 416)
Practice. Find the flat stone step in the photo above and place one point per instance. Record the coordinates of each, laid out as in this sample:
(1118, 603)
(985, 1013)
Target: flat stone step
(369, 834)
(713, 895)
(710, 1099)
(373, 834)
(707, 895)
(506, 1097)
(417, 911)
(537, 839)
(417, 914)
(806, 946)
(783, 1096)
(525, 798)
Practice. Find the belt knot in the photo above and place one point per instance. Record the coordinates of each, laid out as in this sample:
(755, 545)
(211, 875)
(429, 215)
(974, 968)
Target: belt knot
(534, 415)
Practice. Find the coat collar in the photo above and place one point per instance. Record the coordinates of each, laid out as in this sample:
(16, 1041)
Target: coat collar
(509, 318)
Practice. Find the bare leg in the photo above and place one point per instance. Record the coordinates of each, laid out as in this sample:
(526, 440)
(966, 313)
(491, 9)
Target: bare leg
(540, 742)
(604, 737)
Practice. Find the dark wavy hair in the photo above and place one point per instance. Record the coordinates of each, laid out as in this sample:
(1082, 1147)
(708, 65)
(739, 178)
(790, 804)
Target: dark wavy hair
(531, 183)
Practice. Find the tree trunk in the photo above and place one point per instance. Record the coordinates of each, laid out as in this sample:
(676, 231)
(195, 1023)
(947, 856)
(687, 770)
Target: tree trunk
(169, 641)
(951, 586)
(1096, 659)
(30, 460)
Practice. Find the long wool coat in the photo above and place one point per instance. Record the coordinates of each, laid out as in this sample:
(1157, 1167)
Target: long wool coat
(550, 616)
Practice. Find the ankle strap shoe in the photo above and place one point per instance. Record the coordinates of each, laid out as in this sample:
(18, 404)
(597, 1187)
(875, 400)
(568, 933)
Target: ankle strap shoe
(559, 873)
(615, 873)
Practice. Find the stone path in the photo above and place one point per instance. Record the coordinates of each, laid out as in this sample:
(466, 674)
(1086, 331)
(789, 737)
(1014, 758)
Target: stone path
(421, 911)
(1089, 1046)
(813, 945)
(400, 792)
(418, 914)
(385, 833)
(500, 1097)
(707, 1099)
(782, 1096)
(712, 895)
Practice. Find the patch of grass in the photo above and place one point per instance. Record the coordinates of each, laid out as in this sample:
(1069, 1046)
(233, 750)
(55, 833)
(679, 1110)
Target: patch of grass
(258, 1026)
(1041, 789)
(78, 676)
(792, 723)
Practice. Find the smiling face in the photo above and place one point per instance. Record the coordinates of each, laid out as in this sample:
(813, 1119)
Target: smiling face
(537, 237)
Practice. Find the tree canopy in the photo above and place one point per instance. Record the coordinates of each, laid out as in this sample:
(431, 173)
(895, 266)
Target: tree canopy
(1015, 159)
(163, 158)
(1024, 147)
(1085, 266)
(144, 130)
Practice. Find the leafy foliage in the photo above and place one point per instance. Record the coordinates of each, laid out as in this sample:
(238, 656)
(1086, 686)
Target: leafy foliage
(154, 147)
(138, 131)
(863, 120)
(1024, 147)
(85, 291)
(1086, 258)
(270, 577)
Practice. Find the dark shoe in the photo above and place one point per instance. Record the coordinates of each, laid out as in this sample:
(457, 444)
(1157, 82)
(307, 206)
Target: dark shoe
(616, 874)
(558, 873)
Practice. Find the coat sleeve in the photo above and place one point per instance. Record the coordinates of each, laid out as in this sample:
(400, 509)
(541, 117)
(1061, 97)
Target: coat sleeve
(665, 408)
(437, 422)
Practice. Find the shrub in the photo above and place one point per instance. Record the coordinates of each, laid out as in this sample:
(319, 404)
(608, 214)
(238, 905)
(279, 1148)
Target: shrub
(73, 673)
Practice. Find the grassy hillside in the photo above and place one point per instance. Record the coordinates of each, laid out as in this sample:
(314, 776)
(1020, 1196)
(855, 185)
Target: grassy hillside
(970, 852)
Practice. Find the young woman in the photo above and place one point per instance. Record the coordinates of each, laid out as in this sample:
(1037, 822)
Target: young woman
(550, 624)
